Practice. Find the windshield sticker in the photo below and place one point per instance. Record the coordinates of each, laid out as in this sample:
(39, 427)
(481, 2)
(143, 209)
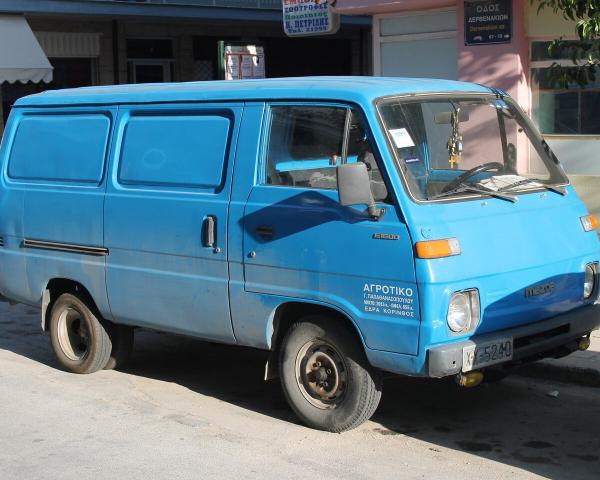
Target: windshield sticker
(402, 138)
(412, 159)
(388, 300)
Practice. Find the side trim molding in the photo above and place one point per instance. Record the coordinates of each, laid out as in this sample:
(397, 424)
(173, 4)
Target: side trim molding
(65, 247)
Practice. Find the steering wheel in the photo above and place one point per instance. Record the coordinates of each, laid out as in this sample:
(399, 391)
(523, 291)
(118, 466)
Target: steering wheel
(469, 173)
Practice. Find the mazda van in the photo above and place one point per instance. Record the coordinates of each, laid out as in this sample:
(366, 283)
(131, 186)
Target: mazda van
(352, 226)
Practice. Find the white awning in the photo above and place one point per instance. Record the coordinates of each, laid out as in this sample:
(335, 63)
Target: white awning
(69, 45)
(21, 57)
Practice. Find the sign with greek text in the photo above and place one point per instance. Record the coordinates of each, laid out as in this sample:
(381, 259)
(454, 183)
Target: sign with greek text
(488, 22)
(309, 17)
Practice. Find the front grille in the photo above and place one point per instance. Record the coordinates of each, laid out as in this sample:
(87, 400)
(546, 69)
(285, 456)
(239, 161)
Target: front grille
(1, 241)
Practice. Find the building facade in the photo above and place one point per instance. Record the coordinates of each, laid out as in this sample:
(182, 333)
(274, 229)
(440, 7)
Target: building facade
(105, 42)
(435, 38)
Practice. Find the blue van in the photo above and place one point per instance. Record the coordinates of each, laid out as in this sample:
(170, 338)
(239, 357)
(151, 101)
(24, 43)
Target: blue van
(351, 226)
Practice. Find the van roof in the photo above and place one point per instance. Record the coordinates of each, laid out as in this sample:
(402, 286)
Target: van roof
(351, 89)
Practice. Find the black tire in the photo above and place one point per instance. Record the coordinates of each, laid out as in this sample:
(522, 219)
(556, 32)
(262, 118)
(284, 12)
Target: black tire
(80, 342)
(121, 338)
(326, 377)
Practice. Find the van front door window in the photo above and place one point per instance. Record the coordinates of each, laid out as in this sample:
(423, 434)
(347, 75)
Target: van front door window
(306, 144)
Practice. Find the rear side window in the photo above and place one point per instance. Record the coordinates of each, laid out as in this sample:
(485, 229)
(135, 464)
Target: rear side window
(60, 148)
(171, 150)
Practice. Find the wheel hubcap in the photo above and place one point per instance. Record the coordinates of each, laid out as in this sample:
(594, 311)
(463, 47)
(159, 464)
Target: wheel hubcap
(321, 374)
(73, 335)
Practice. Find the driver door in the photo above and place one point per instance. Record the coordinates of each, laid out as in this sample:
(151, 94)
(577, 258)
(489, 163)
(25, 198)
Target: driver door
(303, 244)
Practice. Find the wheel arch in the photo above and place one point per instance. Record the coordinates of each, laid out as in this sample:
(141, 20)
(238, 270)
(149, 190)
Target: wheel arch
(58, 286)
(287, 313)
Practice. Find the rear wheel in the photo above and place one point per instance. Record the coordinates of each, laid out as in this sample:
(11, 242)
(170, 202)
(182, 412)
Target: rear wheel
(80, 342)
(326, 377)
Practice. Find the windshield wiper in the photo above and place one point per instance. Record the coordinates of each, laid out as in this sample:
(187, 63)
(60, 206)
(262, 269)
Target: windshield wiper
(472, 189)
(526, 181)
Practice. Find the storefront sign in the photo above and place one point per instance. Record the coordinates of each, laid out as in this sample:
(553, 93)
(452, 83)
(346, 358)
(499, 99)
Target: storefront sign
(309, 17)
(488, 21)
(241, 62)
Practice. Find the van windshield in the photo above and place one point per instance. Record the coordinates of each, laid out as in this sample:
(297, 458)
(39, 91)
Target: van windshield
(451, 147)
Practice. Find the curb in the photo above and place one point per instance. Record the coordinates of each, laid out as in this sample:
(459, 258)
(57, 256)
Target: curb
(587, 377)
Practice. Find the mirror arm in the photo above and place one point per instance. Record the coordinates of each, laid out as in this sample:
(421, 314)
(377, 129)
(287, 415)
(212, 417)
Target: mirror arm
(375, 213)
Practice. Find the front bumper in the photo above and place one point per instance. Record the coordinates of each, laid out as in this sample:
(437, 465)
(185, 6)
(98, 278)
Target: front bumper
(530, 340)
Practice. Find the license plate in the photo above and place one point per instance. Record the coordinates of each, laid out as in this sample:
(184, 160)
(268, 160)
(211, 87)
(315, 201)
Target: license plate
(488, 353)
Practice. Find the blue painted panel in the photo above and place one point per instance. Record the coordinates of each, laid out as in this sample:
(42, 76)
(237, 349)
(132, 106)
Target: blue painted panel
(327, 253)
(320, 253)
(68, 212)
(180, 150)
(294, 165)
(13, 272)
(159, 272)
(506, 247)
(65, 148)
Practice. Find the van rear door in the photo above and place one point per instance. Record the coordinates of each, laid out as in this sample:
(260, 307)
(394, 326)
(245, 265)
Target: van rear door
(166, 213)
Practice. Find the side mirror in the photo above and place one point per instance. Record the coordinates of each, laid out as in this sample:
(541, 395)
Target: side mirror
(354, 187)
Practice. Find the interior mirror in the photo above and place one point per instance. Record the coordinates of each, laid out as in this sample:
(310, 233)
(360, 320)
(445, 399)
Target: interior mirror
(354, 187)
(445, 118)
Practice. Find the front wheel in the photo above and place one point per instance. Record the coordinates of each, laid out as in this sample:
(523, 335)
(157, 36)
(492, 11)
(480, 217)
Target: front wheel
(326, 377)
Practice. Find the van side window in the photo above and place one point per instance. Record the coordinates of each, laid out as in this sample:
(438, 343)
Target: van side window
(60, 148)
(305, 146)
(175, 150)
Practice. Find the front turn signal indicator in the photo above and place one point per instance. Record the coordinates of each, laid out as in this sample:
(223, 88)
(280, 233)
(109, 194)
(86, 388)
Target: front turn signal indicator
(589, 223)
(438, 248)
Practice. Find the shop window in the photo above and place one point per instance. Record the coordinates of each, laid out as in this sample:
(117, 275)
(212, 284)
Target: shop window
(149, 48)
(559, 111)
(401, 40)
(206, 64)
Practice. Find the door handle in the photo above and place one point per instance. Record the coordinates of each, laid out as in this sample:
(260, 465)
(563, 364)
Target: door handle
(265, 232)
(208, 231)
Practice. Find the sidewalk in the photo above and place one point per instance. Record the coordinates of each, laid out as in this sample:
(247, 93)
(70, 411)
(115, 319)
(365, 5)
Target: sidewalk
(579, 367)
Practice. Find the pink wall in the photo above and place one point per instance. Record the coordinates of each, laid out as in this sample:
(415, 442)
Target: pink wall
(502, 66)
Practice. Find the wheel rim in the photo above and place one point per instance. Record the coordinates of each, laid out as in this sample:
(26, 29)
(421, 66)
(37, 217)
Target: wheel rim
(321, 374)
(73, 335)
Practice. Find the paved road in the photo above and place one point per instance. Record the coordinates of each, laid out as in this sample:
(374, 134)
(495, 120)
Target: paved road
(187, 409)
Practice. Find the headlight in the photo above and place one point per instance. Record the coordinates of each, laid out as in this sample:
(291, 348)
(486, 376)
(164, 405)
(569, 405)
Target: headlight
(463, 311)
(589, 281)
